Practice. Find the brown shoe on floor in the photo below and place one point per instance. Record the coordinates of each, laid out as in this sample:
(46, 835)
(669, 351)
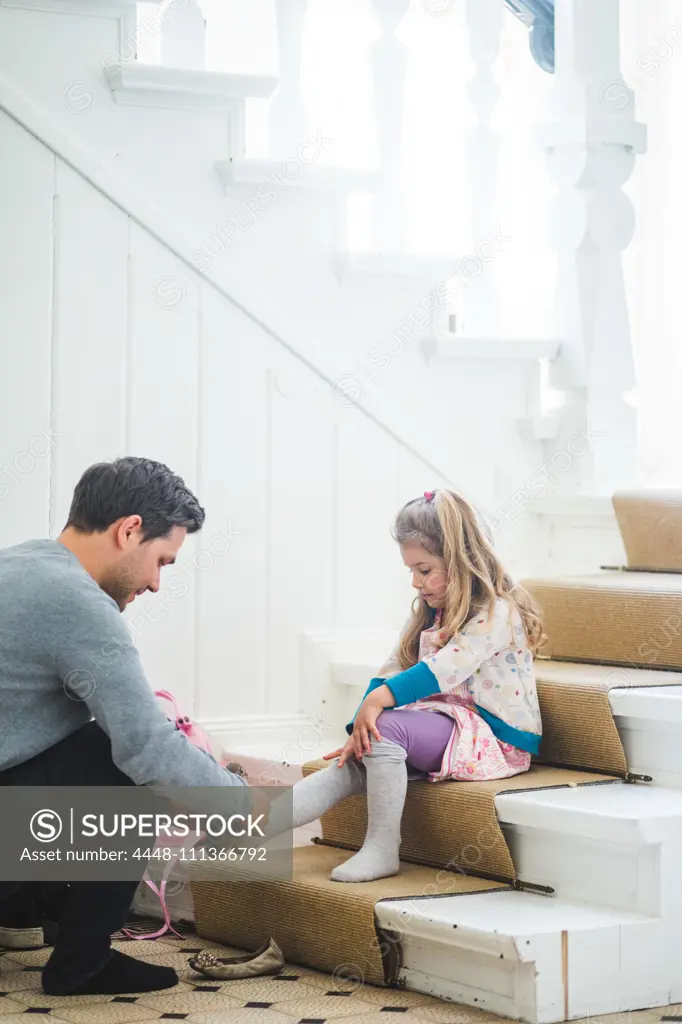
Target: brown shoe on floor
(266, 960)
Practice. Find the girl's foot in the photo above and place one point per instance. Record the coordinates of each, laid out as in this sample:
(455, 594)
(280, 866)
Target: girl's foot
(367, 865)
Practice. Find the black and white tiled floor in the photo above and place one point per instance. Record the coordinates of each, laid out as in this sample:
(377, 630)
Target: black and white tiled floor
(297, 996)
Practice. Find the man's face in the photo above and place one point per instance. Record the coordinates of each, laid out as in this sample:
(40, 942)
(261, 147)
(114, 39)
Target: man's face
(139, 566)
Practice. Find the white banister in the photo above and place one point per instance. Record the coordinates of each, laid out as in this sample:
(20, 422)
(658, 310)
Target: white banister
(389, 66)
(591, 144)
(183, 35)
(485, 20)
(287, 117)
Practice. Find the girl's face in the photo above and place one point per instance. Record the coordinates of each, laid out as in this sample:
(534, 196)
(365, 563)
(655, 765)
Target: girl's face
(429, 575)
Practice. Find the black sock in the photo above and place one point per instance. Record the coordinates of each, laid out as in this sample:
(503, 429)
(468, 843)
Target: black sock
(121, 973)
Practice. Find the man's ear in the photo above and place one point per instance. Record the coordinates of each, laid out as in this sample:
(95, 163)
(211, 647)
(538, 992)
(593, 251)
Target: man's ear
(125, 529)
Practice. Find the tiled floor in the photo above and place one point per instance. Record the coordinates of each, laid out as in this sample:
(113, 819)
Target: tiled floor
(298, 996)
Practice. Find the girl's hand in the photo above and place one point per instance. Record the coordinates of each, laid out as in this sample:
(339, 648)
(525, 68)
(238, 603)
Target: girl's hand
(359, 743)
(343, 753)
(364, 726)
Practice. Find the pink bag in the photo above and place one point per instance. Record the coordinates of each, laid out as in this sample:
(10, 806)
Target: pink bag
(194, 733)
(198, 738)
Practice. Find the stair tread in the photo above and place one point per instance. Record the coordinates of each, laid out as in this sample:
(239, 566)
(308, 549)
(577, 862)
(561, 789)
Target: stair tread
(600, 675)
(620, 813)
(662, 704)
(613, 801)
(505, 913)
(256, 170)
(160, 77)
(490, 347)
(612, 580)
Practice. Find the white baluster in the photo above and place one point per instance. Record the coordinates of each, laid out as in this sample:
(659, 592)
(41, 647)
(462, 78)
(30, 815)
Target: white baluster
(287, 118)
(591, 145)
(183, 35)
(485, 20)
(389, 64)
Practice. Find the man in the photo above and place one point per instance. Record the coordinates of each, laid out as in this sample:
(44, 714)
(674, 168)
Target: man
(75, 706)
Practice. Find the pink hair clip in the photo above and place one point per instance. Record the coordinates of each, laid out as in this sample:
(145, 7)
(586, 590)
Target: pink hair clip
(429, 495)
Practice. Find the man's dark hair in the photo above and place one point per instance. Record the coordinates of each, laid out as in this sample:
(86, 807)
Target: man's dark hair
(129, 486)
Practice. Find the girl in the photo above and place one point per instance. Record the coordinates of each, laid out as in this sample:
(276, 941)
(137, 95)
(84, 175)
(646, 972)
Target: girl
(457, 697)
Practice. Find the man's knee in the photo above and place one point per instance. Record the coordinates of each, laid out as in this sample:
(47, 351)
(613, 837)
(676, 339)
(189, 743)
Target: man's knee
(90, 759)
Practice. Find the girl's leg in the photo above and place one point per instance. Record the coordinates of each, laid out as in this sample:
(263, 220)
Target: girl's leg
(386, 791)
(322, 790)
(414, 738)
(310, 798)
(423, 734)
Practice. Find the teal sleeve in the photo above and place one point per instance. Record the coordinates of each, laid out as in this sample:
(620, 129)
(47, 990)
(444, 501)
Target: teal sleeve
(373, 685)
(408, 686)
(413, 684)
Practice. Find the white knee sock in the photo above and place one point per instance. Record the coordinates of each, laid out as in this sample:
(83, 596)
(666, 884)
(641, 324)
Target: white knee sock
(386, 791)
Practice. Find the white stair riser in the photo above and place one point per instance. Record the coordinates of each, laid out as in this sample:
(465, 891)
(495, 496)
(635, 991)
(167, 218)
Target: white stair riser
(606, 969)
(475, 979)
(620, 876)
(653, 748)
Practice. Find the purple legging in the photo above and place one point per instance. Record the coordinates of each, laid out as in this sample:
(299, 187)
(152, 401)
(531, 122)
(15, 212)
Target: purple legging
(423, 734)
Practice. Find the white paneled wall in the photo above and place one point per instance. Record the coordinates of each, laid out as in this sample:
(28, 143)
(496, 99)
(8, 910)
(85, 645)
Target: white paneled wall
(26, 312)
(159, 162)
(112, 344)
(303, 507)
(161, 399)
(89, 358)
(232, 599)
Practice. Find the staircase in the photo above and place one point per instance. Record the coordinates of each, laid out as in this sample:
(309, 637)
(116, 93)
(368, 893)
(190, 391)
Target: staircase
(605, 940)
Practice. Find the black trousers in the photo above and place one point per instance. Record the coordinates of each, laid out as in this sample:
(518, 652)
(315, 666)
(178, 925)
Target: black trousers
(93, 910)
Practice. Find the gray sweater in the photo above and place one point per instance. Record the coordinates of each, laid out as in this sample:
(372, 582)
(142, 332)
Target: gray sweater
(67, 656)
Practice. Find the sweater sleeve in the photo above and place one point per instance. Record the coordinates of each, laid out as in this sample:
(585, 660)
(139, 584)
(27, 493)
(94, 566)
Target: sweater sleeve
(97, 661)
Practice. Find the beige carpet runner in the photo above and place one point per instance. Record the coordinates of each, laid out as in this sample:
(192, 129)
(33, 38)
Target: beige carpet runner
(613, 618)
(650, 523)
(448, 829)
(578, 729)
(450, 825)
(327, 925)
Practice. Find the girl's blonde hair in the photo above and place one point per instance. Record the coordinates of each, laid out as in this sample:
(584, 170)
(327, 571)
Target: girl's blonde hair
(445, 524)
